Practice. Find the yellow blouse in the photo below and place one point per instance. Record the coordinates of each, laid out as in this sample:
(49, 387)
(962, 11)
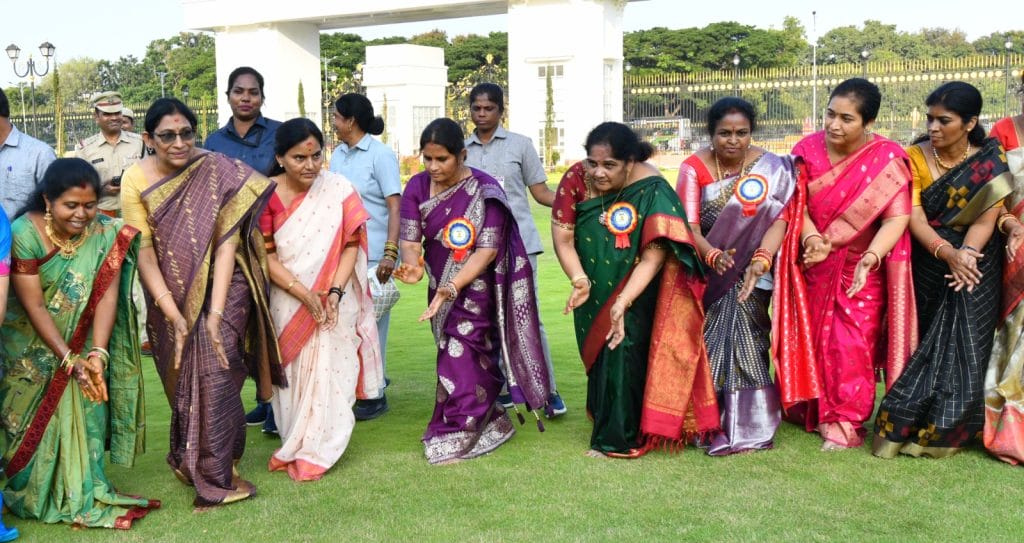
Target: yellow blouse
(921, 173)
(134, 212)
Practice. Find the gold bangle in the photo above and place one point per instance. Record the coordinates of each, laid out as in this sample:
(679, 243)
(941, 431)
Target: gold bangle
(577, 277)
(940, 247)
(1002, 221)
(290, 285)
(803, 241)
(218, 312)
(156, 302)
(878, 260)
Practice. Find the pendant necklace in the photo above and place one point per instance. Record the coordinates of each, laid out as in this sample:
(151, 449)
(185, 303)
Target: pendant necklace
(718, 166)
(67, 248)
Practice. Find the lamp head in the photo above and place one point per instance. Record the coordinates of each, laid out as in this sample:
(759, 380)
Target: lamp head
(12, 52)
(46, 49)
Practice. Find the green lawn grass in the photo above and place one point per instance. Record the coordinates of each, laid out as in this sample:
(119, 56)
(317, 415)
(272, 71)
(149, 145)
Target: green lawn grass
(540, 487)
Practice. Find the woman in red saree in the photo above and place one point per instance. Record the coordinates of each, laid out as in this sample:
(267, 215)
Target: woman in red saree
(856, 253)
(203, 265)
(314, 227)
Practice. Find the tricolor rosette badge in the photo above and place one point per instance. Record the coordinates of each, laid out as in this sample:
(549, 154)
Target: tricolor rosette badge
(622, 220)
(751, 190)
(459, 236)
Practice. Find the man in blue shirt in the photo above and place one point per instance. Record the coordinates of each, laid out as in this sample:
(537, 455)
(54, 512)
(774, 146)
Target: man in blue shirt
(23, 161)
(248, 135)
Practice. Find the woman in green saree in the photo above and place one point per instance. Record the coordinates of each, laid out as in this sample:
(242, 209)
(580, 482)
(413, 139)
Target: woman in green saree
(636, 300)
(72, 386)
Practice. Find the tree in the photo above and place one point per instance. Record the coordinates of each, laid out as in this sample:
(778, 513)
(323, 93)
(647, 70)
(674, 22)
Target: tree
(81, 81)
(302, 100)
(995, 43)
(132, 77)
(550, 134)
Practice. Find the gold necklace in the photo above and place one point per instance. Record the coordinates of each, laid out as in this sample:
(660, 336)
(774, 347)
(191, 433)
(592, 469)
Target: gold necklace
(67, 248)
(941, 164)
(718, 167)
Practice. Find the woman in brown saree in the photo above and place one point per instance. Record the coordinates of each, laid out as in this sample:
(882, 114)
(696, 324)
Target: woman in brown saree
(203, 264)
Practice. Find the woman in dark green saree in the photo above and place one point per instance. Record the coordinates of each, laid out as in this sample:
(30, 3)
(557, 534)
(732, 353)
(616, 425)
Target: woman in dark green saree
(637, 286)
(72, 386)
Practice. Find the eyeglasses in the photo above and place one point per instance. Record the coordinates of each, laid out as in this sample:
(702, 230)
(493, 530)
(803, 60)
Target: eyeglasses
(167, 138)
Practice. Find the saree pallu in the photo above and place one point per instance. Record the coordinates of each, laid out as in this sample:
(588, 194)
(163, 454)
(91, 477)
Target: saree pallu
(1004, 380)
(655, 387)
(324, 368)
(852, 337)
(937, 405)
(53, 438)
(209, 201)
(737, 335)
(492, 322)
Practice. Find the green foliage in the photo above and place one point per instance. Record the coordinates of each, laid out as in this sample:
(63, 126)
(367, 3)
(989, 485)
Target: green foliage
(302, 100)
(81, 80)
(549, 120)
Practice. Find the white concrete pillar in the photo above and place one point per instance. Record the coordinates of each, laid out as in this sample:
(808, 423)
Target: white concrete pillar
(582, 44)
(411, 81)
(285, 53)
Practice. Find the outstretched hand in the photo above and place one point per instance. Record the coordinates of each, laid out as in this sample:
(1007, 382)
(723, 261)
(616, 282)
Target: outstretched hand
(816, 249)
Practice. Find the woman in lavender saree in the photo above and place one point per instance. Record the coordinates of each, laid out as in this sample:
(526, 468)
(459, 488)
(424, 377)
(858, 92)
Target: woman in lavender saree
(736, 198)
(482, 307)
(203, 265)
(859, 304)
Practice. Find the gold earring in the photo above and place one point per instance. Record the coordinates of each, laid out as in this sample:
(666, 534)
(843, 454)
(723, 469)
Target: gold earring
(48, 217)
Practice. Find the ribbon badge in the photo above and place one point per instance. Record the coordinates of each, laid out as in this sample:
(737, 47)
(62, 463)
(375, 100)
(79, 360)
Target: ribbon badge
(622, 220)
(459, 236)
(751, 190)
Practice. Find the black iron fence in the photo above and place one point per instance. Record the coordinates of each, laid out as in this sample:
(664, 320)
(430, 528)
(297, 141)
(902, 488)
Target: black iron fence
(671, 110)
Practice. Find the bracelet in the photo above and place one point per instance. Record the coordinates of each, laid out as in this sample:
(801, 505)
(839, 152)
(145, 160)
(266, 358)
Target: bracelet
(68, 362)
(878, 261)
(156, 302)
(452, 290)
(628, 304)
(391, 245)
(218, 312)
(338, 291)
(712, 256)
(763, 255)
(290, 285)
(102, 354)
(939, 247)
(968, 247)
(803, 241)
(1002, 220)
(934, 245)
(577, 278)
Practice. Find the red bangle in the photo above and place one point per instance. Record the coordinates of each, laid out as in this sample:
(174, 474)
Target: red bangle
(711, 256)
(762, 254)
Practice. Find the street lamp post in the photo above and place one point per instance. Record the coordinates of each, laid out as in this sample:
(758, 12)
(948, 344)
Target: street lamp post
(1006, 103)
(21, 90)
(162, 76)
(46, 49)
(814, 69)
(736, 72)
(864, 54)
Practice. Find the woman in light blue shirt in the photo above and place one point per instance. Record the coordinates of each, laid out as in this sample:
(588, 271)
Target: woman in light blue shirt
(372, 168)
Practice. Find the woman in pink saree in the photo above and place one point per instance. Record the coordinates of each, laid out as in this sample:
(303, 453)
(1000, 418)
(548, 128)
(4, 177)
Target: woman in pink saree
(856, 253)
(314, 229)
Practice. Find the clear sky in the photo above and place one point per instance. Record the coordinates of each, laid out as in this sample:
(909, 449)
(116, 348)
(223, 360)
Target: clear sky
(117, 28)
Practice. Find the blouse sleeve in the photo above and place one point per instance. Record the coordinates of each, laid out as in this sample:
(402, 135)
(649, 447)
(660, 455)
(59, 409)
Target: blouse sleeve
(409, 210)
(918, 171)
(5, 246)
(899, 206)
(688, 189)
(134, 212)
(571, 190)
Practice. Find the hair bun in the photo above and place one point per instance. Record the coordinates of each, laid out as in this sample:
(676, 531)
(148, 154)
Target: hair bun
(376, 126)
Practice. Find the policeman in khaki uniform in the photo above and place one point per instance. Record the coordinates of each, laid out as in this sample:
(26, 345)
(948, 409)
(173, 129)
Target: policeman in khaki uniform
(111, 151)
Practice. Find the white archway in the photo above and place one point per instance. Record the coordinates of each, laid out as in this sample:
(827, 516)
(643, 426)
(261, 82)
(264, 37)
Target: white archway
(579, 41)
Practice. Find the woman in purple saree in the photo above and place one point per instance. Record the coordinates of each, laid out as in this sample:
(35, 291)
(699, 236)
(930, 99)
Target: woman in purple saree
(203, 265)
(482, 306)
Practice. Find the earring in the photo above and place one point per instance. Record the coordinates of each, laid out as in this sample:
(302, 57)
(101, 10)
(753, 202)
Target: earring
(48, 217)
(150, 150)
